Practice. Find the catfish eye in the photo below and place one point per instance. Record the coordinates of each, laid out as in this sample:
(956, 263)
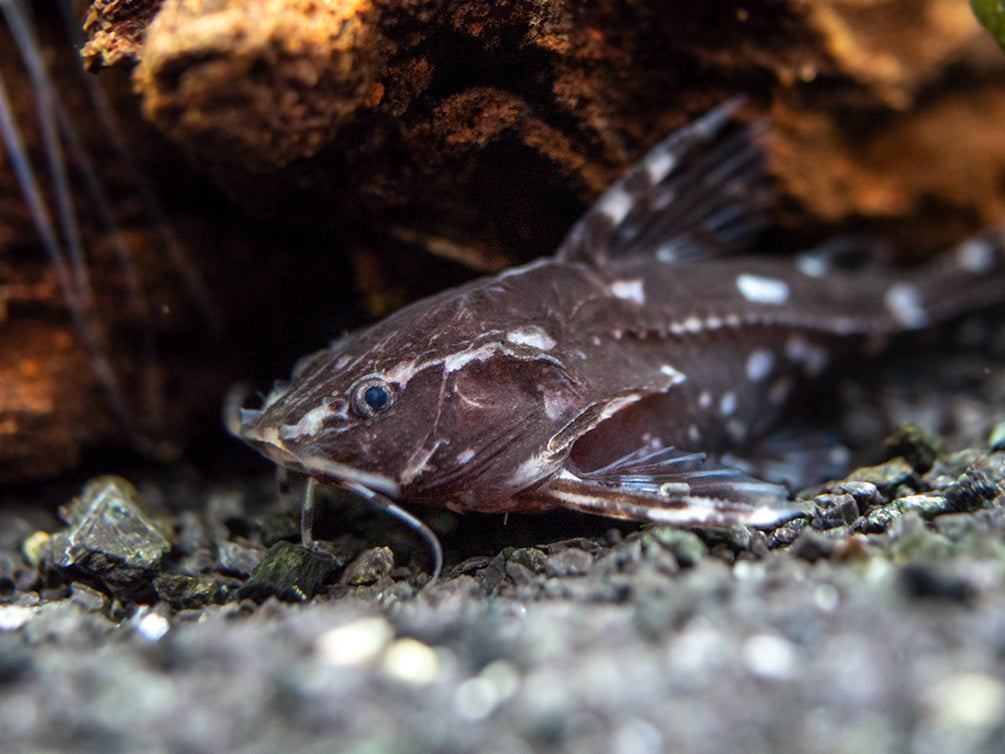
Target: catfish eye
(370, 396)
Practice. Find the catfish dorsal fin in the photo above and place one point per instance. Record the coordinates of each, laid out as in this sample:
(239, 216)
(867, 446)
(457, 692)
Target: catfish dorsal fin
(701, 192)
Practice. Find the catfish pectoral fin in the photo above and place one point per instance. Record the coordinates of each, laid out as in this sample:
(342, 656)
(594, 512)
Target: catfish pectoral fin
(669, 486)
(673, 472)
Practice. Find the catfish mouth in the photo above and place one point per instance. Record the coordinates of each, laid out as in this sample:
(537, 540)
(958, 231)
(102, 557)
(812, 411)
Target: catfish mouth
(245, 424)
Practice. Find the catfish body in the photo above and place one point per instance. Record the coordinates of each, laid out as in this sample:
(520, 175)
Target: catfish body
(596, 379)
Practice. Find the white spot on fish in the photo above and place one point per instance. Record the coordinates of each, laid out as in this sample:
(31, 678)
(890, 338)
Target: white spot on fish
(693, 324)
(629, 290)
(904, 303)
(813, 358)
(309, 425)
(693, 434)
(817, 362)
(811, 264)
(713, 323)
(668, 252)
(555, 403)
(669, 371)
(976, 256)
(564, 473)
(616, 204)
(727, 404)
(759, 364)
(762, 290)
(532, 336)
(796, 348)
(401, 372)
(466, 455)
(461, 359)
(659, 164)
(705, 399)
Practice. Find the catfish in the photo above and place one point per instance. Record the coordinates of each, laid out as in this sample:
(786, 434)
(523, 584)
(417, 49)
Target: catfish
(600, 379)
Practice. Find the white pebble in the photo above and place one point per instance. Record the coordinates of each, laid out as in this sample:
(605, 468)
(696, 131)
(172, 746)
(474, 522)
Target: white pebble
(13, 617)
(972, 702)
(356, 643)
(152, 626)
(770, 657)
(412, 662)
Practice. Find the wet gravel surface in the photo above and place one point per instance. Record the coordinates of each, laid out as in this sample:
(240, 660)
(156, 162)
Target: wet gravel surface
(181, 617)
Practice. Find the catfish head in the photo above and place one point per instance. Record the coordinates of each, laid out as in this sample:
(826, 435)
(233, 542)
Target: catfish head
(434, 404)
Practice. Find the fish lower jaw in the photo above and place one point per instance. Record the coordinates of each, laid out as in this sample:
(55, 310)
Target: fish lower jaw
(267, 441)
(274, 452)
(330, 471)
(324, 469)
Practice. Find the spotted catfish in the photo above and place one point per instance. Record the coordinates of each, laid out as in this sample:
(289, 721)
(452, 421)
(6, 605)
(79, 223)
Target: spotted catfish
(596, 379)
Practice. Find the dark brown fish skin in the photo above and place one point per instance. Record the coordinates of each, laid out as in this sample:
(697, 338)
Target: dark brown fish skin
(496, 394)
(540, 361)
